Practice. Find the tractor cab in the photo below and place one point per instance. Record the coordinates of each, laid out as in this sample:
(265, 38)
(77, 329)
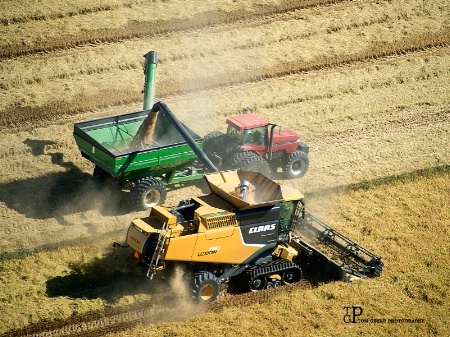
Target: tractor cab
(253, 132)
(248, 129)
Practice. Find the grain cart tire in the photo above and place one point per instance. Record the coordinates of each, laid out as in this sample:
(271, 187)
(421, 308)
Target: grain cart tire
(206, 287)
(256, 164)
(297, 164)
(99, 175)
(148, 192)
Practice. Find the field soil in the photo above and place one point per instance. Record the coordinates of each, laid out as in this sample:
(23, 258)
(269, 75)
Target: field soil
(364, 83)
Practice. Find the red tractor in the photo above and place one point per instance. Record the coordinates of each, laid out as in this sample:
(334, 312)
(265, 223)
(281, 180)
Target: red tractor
(253, 144)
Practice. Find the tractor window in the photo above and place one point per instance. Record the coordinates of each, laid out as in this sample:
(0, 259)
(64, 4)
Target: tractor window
(255, 136)
(235, 134)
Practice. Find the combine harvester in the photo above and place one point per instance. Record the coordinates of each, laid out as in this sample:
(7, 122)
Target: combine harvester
(151, 149)
(248, 231)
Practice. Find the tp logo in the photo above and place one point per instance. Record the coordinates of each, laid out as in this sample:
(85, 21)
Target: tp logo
(351, 313)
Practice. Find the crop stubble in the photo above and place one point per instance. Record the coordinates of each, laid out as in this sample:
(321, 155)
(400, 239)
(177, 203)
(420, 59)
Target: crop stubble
(378, 110)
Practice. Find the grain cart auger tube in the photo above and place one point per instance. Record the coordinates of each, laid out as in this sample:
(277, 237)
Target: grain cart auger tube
(243, 233)
(251, 143)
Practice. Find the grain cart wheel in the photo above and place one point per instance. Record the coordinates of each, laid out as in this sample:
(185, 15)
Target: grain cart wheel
(256, 164)
(297, 164)
(148, 192)
(99, 175)
(206, 287)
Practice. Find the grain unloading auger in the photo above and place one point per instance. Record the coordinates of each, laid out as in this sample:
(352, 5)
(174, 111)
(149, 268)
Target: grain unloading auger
(249, 231)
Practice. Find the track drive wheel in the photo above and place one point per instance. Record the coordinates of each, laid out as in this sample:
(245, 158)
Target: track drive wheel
(291, 275)
(206, 287)
(296, 165)
(258, 283)
(256, 164)
(148, 192)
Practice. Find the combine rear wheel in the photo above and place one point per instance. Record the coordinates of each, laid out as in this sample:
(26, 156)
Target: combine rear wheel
(148, 192)
(256, 164)
(296, 165)
(206, 287)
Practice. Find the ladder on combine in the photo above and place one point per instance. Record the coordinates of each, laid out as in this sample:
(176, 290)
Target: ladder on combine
(153, 266)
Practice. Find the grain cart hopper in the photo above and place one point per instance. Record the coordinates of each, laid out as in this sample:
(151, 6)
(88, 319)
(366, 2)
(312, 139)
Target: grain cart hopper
(144, 167)
(247, 231)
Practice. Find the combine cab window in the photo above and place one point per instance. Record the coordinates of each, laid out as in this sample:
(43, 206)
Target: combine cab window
(286, 215)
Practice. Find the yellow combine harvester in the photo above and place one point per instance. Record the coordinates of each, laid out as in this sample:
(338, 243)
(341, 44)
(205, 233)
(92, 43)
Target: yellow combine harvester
(248, 230)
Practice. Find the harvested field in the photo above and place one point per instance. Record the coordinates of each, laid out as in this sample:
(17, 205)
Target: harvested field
(365, 83)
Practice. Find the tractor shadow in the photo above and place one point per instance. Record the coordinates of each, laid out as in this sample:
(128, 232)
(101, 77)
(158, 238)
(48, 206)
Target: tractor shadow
(57, 194)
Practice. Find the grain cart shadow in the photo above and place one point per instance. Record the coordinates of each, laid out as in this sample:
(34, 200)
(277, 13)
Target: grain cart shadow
(109, 278)
(57, 194)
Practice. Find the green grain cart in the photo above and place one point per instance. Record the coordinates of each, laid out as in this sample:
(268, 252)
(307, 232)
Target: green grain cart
(174, 154)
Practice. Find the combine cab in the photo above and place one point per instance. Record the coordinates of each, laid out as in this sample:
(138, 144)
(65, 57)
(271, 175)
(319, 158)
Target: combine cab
(249, 231)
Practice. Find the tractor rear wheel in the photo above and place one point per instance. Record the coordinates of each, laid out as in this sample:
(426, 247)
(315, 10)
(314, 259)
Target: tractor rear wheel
(212, 144)
(296, 165)
(206, 287)
(148, 192)
(256, 164)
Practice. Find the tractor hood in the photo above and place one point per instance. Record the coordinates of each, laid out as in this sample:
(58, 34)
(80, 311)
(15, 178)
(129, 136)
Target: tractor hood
(246, 189)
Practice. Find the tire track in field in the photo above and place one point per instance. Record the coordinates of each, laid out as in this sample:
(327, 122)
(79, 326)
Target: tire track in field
(148, 29)
(409, 121)
(162, 309)
(293, 36)
(23, 118)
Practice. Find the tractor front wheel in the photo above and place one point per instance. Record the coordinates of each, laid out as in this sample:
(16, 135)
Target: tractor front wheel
(148, 192)
(256, 164)
(297, 164)
(206, 287)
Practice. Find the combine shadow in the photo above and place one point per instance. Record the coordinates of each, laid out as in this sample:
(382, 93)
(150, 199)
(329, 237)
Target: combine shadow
(57, 194)
(103, 278)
